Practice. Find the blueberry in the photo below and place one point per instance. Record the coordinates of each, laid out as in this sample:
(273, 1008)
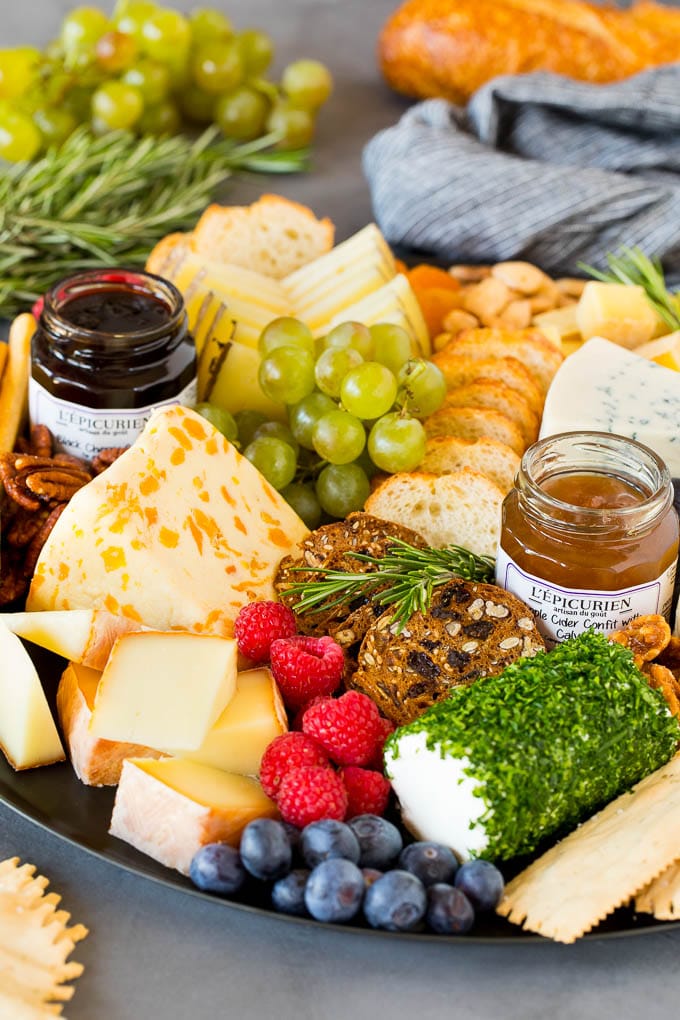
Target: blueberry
(482, 883)
(449, 911)
(335, 890)
(430, 862)
(326, 839)
(379, 840)
(288, 894)
(395, 902)
(217, 868)
(265, 849)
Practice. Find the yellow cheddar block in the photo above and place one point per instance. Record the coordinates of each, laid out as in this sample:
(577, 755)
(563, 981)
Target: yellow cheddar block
(564, 323)
(81, 635)
(665, 351)
(252, 719)
(170, 808)
(177, 534)
(619, 313)
(28, 735)
(164, 689)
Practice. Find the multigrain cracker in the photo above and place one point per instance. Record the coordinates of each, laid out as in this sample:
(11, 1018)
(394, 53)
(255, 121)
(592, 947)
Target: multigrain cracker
(35, 943)
(602, 864)
(662, 896)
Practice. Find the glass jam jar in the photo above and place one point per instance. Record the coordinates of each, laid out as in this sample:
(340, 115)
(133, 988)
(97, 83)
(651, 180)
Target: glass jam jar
(589, 534)
(111, 345)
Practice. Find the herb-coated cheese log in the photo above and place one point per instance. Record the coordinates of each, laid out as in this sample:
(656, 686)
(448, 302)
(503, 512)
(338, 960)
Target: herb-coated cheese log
(511, 760)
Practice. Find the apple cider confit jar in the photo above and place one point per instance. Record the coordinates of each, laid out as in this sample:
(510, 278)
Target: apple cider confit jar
(589, 534)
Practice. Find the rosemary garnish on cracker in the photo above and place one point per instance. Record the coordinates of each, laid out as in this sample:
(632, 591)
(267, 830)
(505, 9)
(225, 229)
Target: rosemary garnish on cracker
(632, 267)
(404, 579)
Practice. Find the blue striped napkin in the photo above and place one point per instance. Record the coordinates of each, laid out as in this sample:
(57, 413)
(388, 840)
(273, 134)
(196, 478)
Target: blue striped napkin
(537, 167)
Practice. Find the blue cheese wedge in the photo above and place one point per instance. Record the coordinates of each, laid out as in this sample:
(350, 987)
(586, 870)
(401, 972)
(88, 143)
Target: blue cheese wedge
(604, 388)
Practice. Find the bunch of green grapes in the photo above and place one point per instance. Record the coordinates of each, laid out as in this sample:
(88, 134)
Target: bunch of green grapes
(355, 400)
(153, 70)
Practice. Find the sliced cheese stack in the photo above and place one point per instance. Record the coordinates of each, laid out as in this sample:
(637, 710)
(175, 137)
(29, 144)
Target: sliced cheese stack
(28, 735)
(178, 533)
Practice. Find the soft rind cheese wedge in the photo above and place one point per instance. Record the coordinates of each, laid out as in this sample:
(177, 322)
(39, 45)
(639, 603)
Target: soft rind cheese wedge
(28, 735)
(170, 808)
(164, 689)
(178, 533)
(252, 719)
(81, 635)
(96, 762)
(604, 388)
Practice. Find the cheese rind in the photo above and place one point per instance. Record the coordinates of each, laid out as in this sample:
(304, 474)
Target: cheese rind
(28, 735)
(178, 533)
(170, 808)
(80, 635)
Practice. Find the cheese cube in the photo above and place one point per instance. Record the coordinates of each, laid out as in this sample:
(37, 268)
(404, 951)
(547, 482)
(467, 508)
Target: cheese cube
(170, 808)
(28, 735)
(96, 762)
(81, 635)
(164, 689)
(617, 312)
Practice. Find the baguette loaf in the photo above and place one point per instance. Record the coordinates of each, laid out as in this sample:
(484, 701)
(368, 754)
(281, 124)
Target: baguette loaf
(445, 455)
(449, 49)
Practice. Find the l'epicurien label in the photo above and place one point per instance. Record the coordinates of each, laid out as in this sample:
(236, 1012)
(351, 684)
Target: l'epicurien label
(563, 613)
(84, 431)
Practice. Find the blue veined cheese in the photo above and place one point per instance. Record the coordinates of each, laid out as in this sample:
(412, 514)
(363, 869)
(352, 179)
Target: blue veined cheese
(604, 388)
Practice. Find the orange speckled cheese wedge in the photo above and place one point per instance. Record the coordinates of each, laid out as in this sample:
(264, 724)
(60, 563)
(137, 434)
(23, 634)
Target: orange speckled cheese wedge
(178, 533)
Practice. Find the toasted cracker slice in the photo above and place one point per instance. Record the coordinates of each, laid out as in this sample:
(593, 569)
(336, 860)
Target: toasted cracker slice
(603, 863)
(662, 896)
(35, 941)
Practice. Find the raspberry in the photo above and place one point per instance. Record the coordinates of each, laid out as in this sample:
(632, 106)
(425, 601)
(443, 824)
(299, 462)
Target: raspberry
(367, 792)
(310, 793)
(289, 751)
(260, 623)
(376, 761)
(349, 728)
(305, 667)
(300, 714)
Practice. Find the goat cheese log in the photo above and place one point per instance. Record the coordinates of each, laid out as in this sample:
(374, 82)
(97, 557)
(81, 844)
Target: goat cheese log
(505, 763)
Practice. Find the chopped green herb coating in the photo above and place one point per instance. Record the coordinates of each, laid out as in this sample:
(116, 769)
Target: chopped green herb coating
(552, 739)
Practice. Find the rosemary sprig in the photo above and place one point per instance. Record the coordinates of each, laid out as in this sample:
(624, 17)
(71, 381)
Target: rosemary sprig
(107, 201)
(404, 578)
(631, 266)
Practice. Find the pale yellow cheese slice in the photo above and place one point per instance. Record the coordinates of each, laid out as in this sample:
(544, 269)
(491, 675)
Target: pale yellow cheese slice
(28, 735)
(302, 281)
(170, 808)
(96, 762)
(164, 689)
(81, 635)
(394, 302)
(178, 533)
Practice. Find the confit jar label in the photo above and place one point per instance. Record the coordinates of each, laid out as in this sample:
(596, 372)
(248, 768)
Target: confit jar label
(563, 613)
(85, 431)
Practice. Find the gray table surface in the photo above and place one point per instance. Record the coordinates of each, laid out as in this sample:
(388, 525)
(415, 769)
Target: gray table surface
(157, 954)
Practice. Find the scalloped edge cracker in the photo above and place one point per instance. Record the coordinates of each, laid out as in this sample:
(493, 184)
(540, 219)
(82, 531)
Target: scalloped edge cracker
(35, 942)
(603, 863)
(662, 896)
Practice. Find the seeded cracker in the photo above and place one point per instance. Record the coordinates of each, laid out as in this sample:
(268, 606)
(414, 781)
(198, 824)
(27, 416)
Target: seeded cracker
(35, 943)
(603, 863)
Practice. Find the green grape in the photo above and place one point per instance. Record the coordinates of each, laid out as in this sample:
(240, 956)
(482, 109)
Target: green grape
(116, 105)
(302, 499)
(257, 51)
(351, 334)
(303, 416)
(342, 489)
(285, 332)
(196, 105)
(18, 70)
(208, 25)
(166, 37)
(221, 419)
(392, 343)
(115, 51)
(339, 437)
(274, 459)
(366, 464)
(247, 423)
(129, 16)
(81, 29)
(286, 374)
(369, 390)
(397, 443)
(242, 114)
(422, 387)
(161, 119)
(332, 366)
(19, 137)
(152, 80)
(294, 127)
(307, 83)
(217, 67)
(279, 431)
(55, 125)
